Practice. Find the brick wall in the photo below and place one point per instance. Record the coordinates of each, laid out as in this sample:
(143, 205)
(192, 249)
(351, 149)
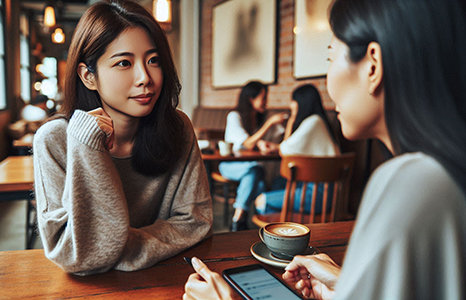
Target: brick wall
(279, 93)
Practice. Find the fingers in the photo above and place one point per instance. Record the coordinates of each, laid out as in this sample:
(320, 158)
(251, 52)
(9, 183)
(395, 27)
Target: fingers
(106, 124)
(201, 269)
(297, 262)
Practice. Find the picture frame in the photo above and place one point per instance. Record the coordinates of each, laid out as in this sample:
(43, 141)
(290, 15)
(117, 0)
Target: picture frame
(312, 36)
(244, 42)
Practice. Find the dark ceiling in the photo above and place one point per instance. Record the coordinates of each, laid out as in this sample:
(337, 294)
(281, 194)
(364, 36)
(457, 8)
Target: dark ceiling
(68, 13)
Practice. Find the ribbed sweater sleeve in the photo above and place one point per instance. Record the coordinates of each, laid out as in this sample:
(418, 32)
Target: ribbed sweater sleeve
(82, 214)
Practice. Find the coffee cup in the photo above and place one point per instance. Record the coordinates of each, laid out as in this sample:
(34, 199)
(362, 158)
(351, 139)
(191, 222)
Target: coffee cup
(286, 239)
(225, 148)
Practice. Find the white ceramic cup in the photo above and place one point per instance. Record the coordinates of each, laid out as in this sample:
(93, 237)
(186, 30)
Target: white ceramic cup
(225, 148)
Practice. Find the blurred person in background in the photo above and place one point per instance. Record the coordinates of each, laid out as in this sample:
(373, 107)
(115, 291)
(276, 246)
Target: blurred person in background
(248, 128)
(307, 133)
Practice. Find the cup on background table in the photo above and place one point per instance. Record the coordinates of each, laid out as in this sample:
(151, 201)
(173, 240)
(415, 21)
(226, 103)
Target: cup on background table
(225, 148)
(286, 239)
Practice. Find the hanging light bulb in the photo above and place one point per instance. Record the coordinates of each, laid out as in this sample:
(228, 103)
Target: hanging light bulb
(58, 36)
(162, 10)
(49, 16)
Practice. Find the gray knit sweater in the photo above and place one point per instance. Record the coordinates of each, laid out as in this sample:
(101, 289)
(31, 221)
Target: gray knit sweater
(96, 213)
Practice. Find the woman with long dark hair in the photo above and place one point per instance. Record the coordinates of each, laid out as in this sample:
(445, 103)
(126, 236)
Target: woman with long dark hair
(397, 73)
(247, 128)
(307, 133)
(119, 179)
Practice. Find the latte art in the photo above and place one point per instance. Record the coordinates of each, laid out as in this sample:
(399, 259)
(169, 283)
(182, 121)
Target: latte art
(288, 231)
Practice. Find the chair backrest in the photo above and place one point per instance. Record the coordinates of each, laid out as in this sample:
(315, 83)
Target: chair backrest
(326, 170)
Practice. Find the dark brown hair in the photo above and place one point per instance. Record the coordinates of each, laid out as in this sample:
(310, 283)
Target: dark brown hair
(244, 106)
(158, 142)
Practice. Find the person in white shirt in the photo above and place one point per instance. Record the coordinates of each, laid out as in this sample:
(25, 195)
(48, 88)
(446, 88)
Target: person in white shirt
(307, 133)
(247, 128)
(397, 73)
(36, 110)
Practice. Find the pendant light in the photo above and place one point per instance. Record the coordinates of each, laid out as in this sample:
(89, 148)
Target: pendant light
(49, 16)
(58, 36)
(162, 10)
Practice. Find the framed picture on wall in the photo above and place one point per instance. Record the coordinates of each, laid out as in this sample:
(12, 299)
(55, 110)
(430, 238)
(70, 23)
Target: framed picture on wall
(244, 42)
(312, 35)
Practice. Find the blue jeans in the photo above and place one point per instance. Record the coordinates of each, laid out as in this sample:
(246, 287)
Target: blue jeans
(274, 198)
(251, 179)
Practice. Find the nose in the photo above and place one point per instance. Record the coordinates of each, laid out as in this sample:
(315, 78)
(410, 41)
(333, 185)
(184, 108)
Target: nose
(141, 76)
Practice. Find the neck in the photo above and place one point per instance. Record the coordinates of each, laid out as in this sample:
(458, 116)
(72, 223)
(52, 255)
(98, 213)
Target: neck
(125, 129)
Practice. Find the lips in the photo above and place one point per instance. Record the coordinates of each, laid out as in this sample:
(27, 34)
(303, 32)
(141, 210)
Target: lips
(142, 98)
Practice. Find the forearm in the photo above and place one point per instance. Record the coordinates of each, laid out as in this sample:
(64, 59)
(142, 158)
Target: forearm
(251, 142)
(165, 238)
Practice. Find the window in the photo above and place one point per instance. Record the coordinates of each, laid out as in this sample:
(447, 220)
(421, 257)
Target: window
(2, 62)
(24, 59)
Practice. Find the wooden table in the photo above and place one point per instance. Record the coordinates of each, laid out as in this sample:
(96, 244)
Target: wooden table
(23, 145)
(243, 155)
(16, 183)
(16, 174)
(29, 275)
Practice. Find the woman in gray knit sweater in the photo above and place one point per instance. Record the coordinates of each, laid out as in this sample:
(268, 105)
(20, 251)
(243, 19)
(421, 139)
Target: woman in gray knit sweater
(119, 180)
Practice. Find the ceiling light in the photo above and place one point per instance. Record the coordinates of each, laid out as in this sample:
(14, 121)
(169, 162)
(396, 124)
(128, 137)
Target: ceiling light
(58, 37)
(162, 10)
(49, 16)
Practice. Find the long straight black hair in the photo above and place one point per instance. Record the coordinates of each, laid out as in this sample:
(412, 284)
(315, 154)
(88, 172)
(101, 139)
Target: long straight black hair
(423, 46)
(160, 136)
(309, 103)
(244, 106)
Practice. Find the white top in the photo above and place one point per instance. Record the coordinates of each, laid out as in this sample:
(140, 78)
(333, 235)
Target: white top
(409, 241)
(236, 133)
(33, 113)
(310, 138)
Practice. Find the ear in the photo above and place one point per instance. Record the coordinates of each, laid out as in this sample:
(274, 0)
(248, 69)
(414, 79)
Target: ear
(374, 56)
(87, 77)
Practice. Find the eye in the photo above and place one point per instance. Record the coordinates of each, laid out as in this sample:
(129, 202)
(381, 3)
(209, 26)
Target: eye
(154, 60)
(124, 63)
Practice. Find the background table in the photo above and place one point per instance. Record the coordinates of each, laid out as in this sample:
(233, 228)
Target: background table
(29, 275)
(243, 155)
(16, 183)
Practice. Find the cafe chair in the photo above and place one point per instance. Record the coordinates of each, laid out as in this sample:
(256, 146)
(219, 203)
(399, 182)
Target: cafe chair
(305, 169)
(228, 196)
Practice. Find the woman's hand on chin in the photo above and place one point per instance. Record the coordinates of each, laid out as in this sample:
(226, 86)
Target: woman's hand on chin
(106, 124)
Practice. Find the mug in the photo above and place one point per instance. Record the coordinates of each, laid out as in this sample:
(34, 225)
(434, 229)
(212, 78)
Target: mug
(225, 148)
(285, 239)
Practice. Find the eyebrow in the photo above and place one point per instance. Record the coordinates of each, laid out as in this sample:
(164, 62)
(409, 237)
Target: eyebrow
(119, 54)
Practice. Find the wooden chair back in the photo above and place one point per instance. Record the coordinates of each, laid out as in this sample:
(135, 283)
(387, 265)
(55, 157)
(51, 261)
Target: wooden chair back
(305, 169)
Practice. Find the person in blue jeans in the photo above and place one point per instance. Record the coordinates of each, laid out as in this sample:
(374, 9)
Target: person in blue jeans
(307, 133)
(248, 128)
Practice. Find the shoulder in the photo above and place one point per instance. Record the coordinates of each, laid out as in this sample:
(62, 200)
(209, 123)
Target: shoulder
(54, 130)
(311, 123)
(234, 120)
(233, 115)
(411, 188)
(51, 138)
(413, 168)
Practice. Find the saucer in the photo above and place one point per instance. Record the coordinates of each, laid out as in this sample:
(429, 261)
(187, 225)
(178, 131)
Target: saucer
(260, 251)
